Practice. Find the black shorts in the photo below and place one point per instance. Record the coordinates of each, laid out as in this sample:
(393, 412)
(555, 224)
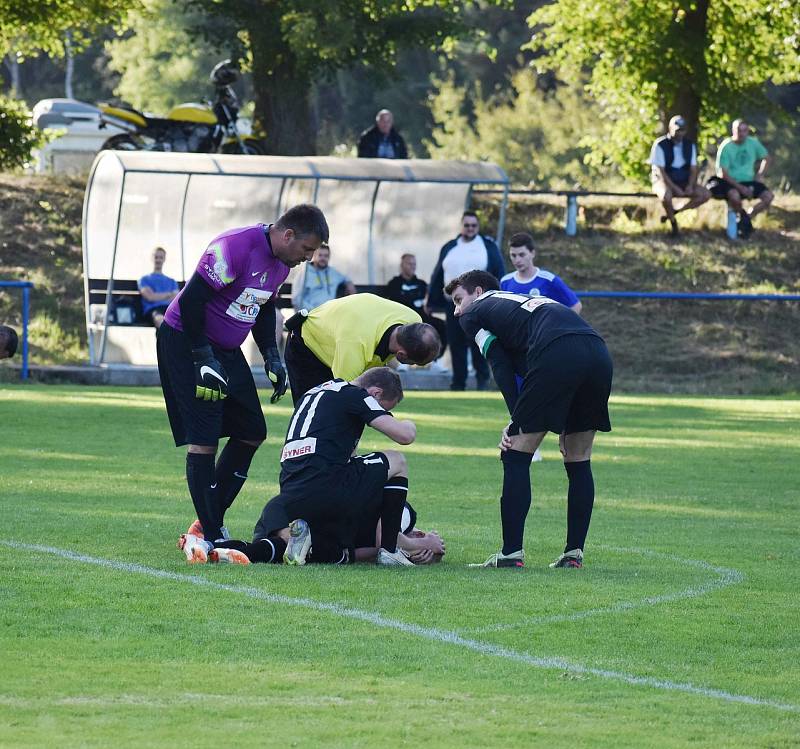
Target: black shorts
(566, 388)
(332, 502)
(720, 188)
(197, 422)
(304, 369)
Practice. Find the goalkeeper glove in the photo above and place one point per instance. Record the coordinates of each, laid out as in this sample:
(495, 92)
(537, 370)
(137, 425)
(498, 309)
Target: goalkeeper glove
(209, 376)
(276, 373)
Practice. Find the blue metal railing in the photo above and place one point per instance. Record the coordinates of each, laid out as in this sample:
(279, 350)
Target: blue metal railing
(26, 287)
(688, 295)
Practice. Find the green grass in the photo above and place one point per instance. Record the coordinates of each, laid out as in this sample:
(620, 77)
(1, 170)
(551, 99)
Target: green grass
(98, 656)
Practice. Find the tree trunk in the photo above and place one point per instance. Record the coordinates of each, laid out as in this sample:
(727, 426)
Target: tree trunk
(687, 99)
(282, 98)
(16, 81)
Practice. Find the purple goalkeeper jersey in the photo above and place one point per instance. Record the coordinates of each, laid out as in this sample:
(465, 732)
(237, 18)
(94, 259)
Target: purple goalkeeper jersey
(240, 267)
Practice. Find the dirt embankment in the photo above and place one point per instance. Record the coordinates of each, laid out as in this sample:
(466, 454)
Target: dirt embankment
(679, 346)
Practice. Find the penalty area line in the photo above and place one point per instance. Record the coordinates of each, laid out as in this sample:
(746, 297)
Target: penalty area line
(432, 634)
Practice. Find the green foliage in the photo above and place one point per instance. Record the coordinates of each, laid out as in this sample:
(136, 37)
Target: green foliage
(293, 43)
(18, 136)
(537, 137)
(648, 59)
(34, 26)
(161, 63)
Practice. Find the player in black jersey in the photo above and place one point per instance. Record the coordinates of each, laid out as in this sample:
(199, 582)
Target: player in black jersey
(326, 490)
(566, 371)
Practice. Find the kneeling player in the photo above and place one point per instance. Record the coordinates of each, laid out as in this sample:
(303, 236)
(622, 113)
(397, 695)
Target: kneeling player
(325, 488)
(567, 381)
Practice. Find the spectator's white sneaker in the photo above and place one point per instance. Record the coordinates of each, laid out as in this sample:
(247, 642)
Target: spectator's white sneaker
(438, 368)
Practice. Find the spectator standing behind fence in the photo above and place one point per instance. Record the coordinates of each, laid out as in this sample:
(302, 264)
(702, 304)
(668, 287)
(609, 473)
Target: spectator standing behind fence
(320, 283)
(532, 281)
(157, 290)
(674, 171)
(411, 291)
(382, 141)
(742, 162)
(468, 251)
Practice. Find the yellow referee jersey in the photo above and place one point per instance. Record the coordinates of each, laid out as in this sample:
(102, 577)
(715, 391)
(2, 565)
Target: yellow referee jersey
(344, 333)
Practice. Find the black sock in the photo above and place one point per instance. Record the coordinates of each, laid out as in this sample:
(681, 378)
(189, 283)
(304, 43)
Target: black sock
(200, 477)
(231, 471)
(265, 550)
(395, 492)
(580, 500)
(516, 498)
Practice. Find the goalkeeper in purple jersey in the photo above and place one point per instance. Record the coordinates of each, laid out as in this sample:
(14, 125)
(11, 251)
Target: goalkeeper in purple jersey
(207, 383)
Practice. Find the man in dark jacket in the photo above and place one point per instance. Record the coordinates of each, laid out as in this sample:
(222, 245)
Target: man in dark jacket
(382, 141)
(411, 291)
(471, 250)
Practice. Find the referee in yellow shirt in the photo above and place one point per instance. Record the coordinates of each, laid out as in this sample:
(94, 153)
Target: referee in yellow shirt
(345, 337)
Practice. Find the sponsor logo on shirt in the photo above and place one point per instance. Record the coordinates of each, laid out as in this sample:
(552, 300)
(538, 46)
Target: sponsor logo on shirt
(299, 448)
(248, 304)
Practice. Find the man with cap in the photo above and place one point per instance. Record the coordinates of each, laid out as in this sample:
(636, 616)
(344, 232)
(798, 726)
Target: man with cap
(674, 171)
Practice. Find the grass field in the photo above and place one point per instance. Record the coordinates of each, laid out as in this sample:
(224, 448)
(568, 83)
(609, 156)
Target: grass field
(681, 630)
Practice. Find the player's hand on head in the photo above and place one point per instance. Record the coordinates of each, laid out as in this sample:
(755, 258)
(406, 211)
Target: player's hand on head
(421, 556)
(209, 375)
(276, 373)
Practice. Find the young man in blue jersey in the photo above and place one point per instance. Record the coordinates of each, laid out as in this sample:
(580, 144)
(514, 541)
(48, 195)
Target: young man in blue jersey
(532, 281)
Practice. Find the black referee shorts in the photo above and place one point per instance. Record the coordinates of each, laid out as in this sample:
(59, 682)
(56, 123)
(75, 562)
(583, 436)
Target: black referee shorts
(332, 502)
(304, 369)
(197, 422)
(566, 389)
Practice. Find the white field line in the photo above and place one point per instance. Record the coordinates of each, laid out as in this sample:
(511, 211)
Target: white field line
(725, 577)
(433, 634)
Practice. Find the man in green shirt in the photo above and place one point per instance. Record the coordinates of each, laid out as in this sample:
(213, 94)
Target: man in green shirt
(741, 164)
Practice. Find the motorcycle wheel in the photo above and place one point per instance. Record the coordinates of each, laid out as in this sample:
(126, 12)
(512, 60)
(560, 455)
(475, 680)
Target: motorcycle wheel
(122, 142)
(252, 147)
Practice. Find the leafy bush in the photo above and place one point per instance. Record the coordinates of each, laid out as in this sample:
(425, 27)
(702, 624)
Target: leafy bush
(18, 136)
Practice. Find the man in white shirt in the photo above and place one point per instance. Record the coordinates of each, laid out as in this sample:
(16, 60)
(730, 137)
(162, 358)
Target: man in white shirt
(320, 282)
(674, 172)
(470, 250)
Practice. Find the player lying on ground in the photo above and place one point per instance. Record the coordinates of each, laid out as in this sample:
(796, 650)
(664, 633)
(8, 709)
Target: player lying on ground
(325, 487)
(421, 547)
(566, 372)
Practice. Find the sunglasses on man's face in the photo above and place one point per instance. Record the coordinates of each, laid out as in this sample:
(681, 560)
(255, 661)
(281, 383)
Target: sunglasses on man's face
(470, 226)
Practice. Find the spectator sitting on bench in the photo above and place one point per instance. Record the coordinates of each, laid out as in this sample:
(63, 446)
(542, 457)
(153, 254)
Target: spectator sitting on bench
(157, 290)
(741, 163)
(674, 171)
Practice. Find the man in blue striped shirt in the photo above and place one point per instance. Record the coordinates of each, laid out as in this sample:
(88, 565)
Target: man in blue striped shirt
(532, 281)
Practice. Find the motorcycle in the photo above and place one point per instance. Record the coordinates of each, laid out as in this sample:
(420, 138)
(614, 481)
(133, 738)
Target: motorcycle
(187, 128)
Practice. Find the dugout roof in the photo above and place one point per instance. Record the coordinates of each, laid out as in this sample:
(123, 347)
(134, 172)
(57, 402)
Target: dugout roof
(377, 209)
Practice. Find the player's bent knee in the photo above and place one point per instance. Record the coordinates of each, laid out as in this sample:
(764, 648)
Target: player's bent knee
(526, 442)
(203, 449)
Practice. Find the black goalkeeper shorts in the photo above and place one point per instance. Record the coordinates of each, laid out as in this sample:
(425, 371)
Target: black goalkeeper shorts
(333, 502)
(198, 422)
(566, 389)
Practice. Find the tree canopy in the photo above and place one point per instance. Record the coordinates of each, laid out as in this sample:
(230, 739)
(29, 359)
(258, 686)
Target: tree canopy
(34, 26)
(648, 59)
(293, 43)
